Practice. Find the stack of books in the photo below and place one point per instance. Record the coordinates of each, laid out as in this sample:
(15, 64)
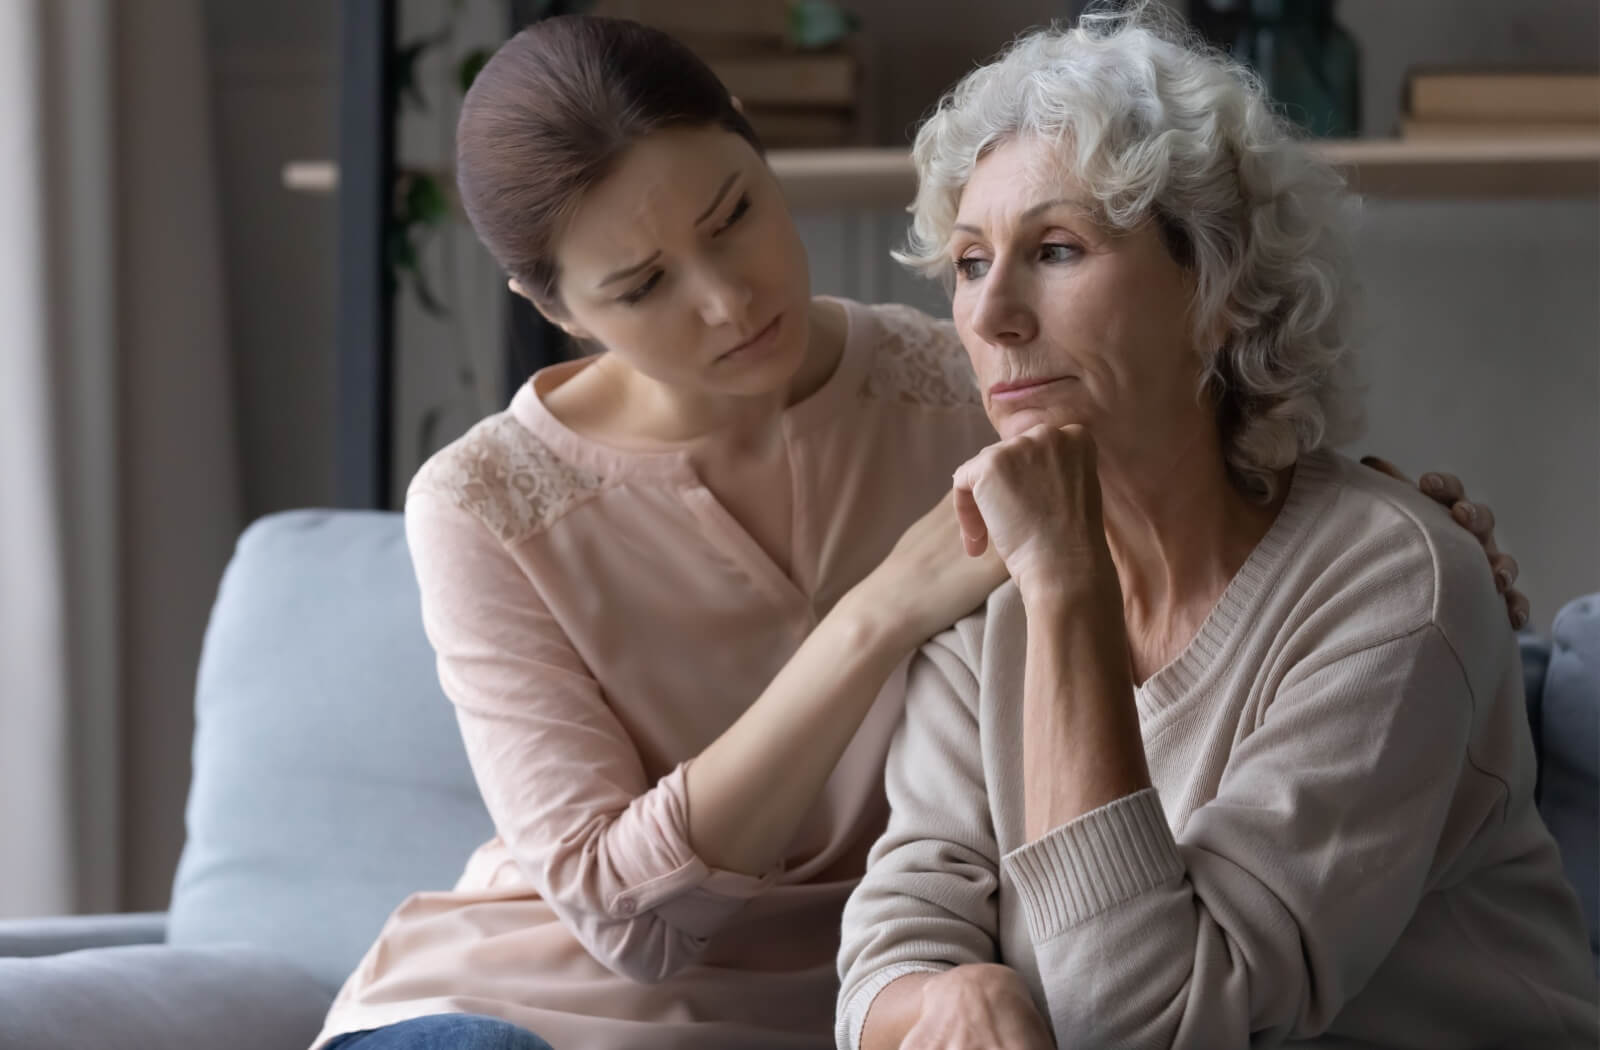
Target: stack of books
(794, 98)
(1466, 104)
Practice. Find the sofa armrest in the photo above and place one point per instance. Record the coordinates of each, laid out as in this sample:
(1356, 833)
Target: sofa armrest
(157, 997)
(69, 933)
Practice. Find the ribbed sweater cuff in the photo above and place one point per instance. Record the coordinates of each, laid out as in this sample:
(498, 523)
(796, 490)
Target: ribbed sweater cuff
(1105, 857)
(852, 1015)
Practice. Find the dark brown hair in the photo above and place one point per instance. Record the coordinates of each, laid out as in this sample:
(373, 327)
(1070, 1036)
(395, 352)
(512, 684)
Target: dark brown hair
(551, 114)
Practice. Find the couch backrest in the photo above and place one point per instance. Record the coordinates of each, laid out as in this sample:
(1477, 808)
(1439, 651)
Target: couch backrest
(329, 776)
(1569, 731)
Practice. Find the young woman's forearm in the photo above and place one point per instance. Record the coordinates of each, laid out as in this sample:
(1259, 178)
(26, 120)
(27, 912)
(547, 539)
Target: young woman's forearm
(750, 789)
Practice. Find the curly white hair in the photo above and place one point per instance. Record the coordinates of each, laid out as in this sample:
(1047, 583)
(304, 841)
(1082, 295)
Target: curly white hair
(1157, 125)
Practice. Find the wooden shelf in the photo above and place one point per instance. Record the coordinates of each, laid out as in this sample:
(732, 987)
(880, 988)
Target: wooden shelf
(1526, 168)
(844, 179)
(1378, 168)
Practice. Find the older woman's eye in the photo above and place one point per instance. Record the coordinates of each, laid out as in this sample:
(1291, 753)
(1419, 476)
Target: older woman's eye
(640, 292)
(1058, 252)
(971, 269)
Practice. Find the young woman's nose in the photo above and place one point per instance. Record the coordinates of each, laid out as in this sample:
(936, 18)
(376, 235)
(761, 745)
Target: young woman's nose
(725, 296)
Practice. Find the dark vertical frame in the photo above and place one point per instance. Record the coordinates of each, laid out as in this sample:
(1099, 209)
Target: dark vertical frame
(365, 398)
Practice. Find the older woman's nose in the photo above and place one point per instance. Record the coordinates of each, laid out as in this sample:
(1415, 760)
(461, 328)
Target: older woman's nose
(1003, 316)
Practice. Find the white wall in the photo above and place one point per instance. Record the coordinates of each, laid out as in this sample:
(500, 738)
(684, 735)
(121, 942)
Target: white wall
(1484, 354)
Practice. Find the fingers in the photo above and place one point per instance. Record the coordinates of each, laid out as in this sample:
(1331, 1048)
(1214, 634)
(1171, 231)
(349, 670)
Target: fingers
(1476, 517)
(1505, 571)
(1517, 606)
(1383, 466)
(974, 533)
(1446, 488)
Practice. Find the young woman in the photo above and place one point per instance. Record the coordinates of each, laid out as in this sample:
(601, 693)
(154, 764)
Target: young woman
(672, 588)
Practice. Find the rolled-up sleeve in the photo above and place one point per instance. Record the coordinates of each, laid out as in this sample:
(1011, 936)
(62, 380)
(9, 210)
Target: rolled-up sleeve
(563, 783)
(929, 900)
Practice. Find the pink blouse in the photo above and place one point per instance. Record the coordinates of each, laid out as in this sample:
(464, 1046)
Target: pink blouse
(600, 618)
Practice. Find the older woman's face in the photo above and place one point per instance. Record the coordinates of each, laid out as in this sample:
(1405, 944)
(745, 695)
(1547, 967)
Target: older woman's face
(1065, 320)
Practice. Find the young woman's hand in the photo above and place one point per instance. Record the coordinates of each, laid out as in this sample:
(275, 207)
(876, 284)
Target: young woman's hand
(1477, 519)
(977, 1007)
(928, 582)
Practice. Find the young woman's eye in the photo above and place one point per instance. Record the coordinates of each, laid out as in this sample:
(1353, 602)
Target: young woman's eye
(736, 214)
(1058, 252)
(640, 292)
(971, 268)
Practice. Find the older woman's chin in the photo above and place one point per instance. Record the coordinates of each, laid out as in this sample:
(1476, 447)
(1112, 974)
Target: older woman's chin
(1009, 422)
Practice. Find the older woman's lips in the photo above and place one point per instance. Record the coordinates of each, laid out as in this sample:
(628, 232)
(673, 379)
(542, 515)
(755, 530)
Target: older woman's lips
(1024, 389)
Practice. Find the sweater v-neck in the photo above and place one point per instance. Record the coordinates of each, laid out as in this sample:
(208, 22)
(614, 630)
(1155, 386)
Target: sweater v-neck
(1181, 676)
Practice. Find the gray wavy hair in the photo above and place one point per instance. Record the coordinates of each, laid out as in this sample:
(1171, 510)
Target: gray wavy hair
(1157, 125)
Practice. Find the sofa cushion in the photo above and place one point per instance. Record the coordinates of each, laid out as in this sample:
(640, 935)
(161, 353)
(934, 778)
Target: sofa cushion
(158, 998)
(330, 780)
(1570, 727)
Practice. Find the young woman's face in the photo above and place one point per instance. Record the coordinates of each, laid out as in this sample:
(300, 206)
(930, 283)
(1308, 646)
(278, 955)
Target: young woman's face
(686, 265)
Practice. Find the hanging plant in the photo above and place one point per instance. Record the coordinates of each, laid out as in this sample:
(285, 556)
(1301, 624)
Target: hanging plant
(421, 201)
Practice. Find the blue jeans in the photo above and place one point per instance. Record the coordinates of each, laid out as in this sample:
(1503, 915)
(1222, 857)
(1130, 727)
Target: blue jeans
(442, 1032)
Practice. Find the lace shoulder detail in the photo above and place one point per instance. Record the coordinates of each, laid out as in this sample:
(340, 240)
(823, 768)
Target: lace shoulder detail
(919, 361)
(507, 478)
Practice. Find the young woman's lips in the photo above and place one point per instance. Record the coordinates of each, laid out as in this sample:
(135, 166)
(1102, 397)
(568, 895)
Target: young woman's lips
(1025, 389)
(754, 346)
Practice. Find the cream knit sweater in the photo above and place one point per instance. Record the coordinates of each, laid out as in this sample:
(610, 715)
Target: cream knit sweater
(1341, 847)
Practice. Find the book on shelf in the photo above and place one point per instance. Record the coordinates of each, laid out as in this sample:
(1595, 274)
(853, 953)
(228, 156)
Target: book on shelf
(794, 98)
(1488, 95)
(1486, 130)
(691, 20)
(790, 79)
(804, 128)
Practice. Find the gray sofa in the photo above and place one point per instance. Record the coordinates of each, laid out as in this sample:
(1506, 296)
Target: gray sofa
(329, 783)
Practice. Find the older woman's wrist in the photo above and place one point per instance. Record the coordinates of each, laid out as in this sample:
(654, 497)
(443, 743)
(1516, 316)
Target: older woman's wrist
(1076, 587)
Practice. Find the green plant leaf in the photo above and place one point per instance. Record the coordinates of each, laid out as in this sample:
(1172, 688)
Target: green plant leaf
(425, 296)
(405, 67)
(815, 24)
(425, 200)
(470, 66)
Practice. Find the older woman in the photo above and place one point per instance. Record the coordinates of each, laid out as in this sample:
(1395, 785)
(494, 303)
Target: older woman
(1239, 755)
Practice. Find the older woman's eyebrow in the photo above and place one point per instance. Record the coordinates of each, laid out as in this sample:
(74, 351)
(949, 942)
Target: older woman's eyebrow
(1036, 209)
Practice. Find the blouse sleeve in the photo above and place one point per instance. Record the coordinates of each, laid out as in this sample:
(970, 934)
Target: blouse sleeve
(564, 785)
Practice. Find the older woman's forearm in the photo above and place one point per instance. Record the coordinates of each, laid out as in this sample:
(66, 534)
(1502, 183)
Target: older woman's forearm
(1081, 742)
